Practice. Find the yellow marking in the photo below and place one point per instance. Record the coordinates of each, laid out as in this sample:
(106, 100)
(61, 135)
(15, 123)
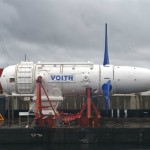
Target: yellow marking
(1, 118)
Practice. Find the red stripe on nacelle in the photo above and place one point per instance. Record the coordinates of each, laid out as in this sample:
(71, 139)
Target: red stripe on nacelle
(1, 89)
(1, 70)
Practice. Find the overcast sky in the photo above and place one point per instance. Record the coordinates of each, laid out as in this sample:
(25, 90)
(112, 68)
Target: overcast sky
(73, 30)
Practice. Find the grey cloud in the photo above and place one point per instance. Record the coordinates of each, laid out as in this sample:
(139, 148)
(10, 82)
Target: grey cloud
(73, 30)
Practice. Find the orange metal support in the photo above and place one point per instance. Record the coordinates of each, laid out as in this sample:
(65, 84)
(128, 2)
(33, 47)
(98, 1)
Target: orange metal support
(48, 100)
(38, 110)
(88, 103)
(83, 108)
(41, 119)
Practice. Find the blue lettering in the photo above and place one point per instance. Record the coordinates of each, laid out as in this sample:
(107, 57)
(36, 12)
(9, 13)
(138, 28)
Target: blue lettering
(62, 78)
(70, 78)
(58, 77)
(53, 77)
(65, 77)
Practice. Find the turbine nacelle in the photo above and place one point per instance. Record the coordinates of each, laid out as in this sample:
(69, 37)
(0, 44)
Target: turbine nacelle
(62, 79)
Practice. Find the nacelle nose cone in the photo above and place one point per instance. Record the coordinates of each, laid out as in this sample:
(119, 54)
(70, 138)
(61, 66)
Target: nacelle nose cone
(131, 79)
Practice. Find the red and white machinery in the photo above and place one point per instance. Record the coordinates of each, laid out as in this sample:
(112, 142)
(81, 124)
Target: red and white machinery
(70, 78)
